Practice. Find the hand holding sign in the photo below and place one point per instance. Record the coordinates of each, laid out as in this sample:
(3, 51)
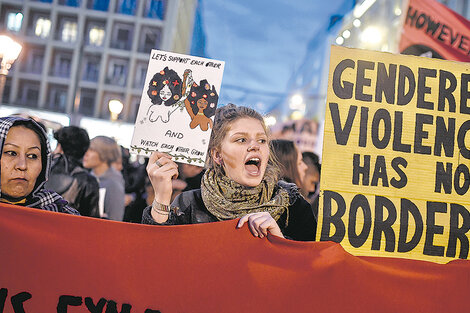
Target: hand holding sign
(161, 169)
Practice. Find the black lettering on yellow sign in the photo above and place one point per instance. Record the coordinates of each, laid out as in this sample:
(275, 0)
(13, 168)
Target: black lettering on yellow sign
(408, 85)
(444, 133)
(380, 229)
(397, 132)
(362, 168)
(446, 178)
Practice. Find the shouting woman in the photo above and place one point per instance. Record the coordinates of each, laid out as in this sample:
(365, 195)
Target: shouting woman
(242, 181)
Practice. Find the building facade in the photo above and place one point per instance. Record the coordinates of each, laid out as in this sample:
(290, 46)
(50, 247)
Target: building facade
(79, 54)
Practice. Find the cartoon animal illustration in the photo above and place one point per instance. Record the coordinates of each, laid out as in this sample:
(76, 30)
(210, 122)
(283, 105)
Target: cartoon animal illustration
(165, 88)
(201, 103)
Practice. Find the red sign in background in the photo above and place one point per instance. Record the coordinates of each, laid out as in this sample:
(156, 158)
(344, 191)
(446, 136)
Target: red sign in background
(51, 262)
(431, 26)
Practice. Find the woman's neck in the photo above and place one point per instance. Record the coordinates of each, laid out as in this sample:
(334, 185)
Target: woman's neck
(100, 169)
(7, 199)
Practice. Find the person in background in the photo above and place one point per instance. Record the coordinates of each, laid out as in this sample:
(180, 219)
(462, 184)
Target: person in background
(192, 176)
(312, 175)
(68, 177)
(241, 181)
(134, 185)
(312, 179)
(290, 161)
(25, 160)
(189, 178)
(102, 152)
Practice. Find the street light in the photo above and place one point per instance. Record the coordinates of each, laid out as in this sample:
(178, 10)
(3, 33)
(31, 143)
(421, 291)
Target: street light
(372, 35)
(115, 107)
(9, 51)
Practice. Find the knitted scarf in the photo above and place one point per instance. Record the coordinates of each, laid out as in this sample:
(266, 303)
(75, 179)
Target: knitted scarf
(227, 199)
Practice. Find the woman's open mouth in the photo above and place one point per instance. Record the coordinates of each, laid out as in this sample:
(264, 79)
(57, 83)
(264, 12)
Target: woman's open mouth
(252, 166)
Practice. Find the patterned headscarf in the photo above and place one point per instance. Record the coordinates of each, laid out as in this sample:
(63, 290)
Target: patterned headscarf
(39, 198)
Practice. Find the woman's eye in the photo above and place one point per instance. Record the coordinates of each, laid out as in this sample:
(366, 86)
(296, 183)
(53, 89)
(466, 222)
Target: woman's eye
(241, 140)
(10, 153)
(262, 141)
(32, 156)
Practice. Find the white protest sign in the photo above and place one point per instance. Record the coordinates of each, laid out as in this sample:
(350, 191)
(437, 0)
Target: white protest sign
(177, 106)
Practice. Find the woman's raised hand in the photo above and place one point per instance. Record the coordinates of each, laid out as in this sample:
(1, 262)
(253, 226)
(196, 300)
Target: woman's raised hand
(161, 169)
(260, 224)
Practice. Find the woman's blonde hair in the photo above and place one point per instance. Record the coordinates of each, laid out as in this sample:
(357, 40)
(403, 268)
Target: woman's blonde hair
(224, 118)
(107, 149)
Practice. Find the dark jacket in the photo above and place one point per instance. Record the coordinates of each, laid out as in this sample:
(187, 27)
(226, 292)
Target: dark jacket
(301, 223)
(75, 184)
(40, 197)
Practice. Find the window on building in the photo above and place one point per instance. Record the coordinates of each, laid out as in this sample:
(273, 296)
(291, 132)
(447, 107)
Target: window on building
(62, 64)
(99, 5)
(91, 68)
(29, 93)
(57, 98)
(34, 60)
(149, 39)
(139, 77)
(68, 31)
(14, 21)
(71, 3)
(134, 109)
(122, 36)
(6, 90)
(87, 102)
(127, 7)
(117, 72)
(155, 9)
(42, 27)
(95, 32)
(96, 36)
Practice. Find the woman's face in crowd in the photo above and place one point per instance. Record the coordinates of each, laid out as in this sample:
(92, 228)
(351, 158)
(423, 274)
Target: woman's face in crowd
(21, 162)
(301, 166)
(311, 180)
(244, 152)
(91, 159)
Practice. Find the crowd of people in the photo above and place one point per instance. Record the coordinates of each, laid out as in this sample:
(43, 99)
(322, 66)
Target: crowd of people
(268, 184)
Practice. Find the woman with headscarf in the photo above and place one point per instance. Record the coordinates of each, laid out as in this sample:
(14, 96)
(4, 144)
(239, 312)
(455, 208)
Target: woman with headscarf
(25, 159)
(241, 181)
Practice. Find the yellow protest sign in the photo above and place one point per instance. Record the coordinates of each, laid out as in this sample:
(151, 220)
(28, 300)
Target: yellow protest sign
(396, 156)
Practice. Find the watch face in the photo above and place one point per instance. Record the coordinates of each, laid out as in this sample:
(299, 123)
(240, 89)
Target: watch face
(422, 51)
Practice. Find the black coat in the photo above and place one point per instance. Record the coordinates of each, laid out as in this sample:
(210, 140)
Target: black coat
(75, 184)
(301, 224)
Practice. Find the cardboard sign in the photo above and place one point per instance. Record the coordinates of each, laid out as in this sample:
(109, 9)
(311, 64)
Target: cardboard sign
(432, 29)
(396, 156)
(51, 262)
(177, 106)
(303, 132)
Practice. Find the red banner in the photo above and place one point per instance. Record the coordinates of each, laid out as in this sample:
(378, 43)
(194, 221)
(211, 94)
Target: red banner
(52, 262)
(432, 29)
